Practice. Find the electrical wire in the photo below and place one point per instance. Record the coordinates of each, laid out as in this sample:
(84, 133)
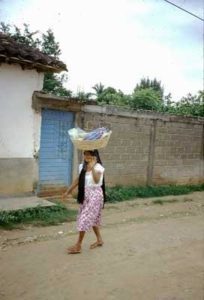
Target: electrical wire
(202, 19)
(185, 10)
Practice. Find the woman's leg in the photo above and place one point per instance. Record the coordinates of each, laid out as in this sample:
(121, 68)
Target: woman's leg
(77, 247)
(99, 241)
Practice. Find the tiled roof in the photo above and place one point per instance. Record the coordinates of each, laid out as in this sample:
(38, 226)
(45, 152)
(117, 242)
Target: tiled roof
(13, 52)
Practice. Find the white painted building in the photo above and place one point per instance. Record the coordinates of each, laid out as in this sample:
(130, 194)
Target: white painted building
(21, 73)
(18, 134)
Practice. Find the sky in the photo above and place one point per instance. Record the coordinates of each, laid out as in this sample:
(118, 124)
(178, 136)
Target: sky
(118, 42)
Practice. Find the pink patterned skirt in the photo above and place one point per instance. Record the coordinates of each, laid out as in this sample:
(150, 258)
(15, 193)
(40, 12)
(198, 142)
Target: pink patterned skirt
(89, 214)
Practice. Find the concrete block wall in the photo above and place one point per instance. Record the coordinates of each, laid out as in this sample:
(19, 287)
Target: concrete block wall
(148, 148)
(178, 153)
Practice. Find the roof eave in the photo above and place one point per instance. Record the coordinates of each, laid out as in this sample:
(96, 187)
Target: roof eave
(27, 64)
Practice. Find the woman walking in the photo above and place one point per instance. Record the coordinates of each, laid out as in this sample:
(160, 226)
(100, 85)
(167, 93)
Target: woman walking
(91, 197)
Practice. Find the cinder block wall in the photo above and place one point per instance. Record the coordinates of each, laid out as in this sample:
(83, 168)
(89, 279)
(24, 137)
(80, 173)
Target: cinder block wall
(178, 152)
(148, 148)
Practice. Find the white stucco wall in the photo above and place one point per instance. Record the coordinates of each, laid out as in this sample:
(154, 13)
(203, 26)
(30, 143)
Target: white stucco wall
(19, 123)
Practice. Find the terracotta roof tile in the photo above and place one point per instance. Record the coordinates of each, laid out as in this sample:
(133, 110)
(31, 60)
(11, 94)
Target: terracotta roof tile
(13, 52)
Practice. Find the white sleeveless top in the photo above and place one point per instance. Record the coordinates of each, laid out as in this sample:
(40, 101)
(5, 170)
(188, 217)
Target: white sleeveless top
(89, 181)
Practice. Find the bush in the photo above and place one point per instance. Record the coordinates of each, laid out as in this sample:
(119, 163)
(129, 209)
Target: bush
(147, 99)
(39, 215)
(121, 193)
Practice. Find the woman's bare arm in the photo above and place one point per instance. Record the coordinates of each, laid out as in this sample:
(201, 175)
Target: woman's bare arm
(72, 187)
(96, 175)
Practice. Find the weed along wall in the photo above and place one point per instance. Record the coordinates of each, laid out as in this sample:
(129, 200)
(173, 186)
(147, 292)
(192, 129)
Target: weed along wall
(148, 148)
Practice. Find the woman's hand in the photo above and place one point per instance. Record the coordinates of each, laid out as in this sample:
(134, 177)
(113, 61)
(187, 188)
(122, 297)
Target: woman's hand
(92, 162)
(66, 195)
(68, 192)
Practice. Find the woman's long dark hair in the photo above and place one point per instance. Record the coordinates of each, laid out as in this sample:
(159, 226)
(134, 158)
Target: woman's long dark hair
(81, 185)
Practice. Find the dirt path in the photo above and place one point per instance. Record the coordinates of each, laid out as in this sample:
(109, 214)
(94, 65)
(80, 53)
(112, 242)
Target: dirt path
(151, 252)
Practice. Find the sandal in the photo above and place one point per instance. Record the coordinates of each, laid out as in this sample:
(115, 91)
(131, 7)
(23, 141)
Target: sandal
(96, 244)
(74, 250)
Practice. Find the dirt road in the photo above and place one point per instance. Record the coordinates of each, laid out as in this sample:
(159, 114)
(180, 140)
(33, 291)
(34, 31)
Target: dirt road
(151, 252)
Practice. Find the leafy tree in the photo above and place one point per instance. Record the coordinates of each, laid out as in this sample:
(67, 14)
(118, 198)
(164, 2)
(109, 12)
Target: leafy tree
(54, 84)
(22, 36)
(146, 98)
(191, 105)
(82, 96)
(154, 84)
(122, 99)
(5, 28)
(99, 89)
(110, 95)
(47, 44)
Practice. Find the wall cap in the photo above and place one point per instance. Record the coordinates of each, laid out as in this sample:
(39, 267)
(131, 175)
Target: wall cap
(131, 113)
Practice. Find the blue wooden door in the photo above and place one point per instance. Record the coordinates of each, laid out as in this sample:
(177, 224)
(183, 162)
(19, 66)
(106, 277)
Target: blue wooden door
(56, 151)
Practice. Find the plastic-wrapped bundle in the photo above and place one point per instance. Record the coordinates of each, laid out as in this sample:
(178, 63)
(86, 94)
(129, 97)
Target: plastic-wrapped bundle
(96, 139)
(77, 133)
(95, 134)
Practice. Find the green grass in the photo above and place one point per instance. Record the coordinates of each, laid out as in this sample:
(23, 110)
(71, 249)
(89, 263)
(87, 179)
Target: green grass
(53, 215)
(122, 193)
(38, 216)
